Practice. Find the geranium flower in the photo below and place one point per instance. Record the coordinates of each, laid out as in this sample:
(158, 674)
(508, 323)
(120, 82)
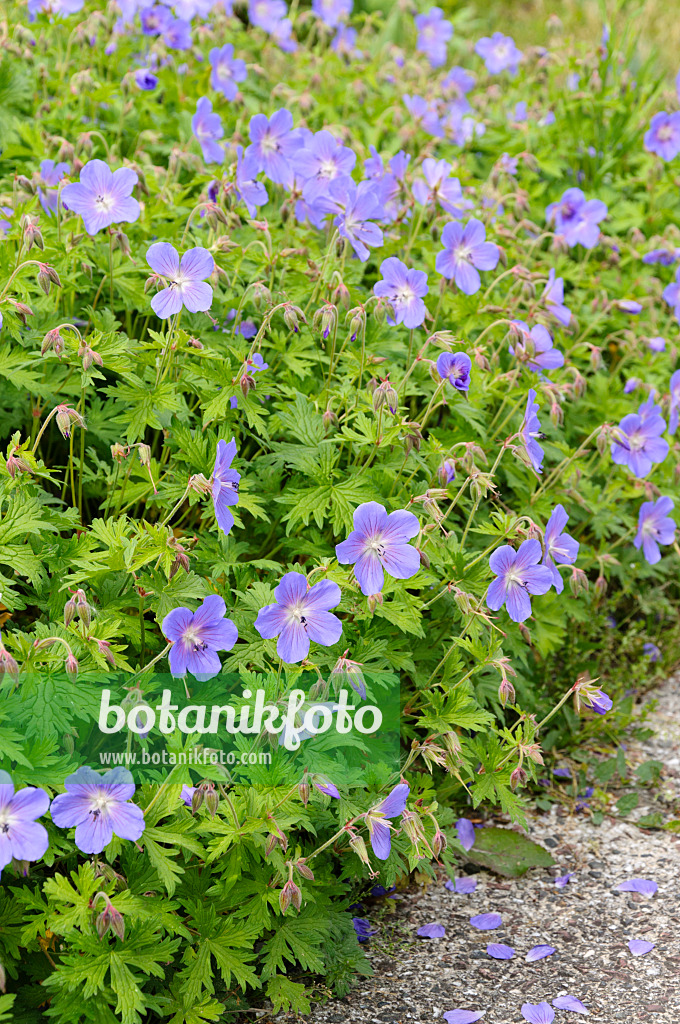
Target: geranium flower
(530, 430)
(392, 806)
(380, 542)
(455, 367)
(655, 527)
(577, 218)
(21, 837)
(251, 193)
(99, 808)
(322, 159)
(559, 546)
(553, 297)
(207, 128)
(272, 146)
(299, 616)
(466, 833)
(663, 137)
(58, 7)
(424, 114)
(652, 651)
(434, 32)
(186, 287)
(645, 445)
(197, 636)
(355, 206)
(225, 482)
(465, 253)
(363, 929)
(177, 34)
(675, 401)
(145, 79)
(102, 196)
(332, 12)
(439, 187)
(499, 53)
(51, 173)
(519, 575)
(266, 13)
(404, 289)
(666, 257)
(226, 71)
(535, 347)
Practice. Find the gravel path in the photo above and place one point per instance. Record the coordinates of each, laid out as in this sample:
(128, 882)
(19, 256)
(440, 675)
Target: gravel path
(588, 922)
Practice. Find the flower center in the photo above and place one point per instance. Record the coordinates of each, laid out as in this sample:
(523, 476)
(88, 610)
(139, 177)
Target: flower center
(224, 69)
(403, 295)
(463, 253)
(375, 546)
(298, 612)
(179, 282)
(104, 203)
(637, 441)
(269, 144)
(328, 169)
(665, 133)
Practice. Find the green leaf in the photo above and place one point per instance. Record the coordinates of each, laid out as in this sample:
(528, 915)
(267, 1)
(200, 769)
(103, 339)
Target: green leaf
(627, 803)
(288, 995)
(507, 853)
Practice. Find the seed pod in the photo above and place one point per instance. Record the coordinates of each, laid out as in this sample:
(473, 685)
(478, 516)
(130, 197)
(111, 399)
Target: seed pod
(304, 790)
(69, 611)
(17, 464)
(359, 846)
(212, 801)
(305, 871)
(290, 894)
(247, 383)
(518, 777)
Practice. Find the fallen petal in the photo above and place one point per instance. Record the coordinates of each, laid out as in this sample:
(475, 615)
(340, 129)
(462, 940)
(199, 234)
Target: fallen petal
(644, 885)
(499, 951)
(639, 947)
(465, 885)
(485, 922)
(570, 1003)
(463, 1016)
(564, 880)
(432, 931)
(538, 1013)
(539, 952)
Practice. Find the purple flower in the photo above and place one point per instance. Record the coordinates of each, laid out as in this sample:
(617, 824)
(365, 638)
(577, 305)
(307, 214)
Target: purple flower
(629, 306)
(282, 34)
(666, 257)
(657, 345)
(187, 795)
(486, 922)
(177, 34)
(51, 174)
(455, 367)
(424, 114)
(671, 293)
(325, 786)
(553, 297)
(186, 280)
(5, 225)
(564, 880)
(577, 218)
(363, 929)
(447, 472)
(344, 40)
(354, 206)
(458, 81)
(499, 53)
(675, 402)
(562, 773)
(145, 79)
(663, 137)
(380, 542)
(559, 546)
(466, 833)
(652, 651)
(509, 165)
(439, 187)
(539, 953)
(499, 951)
(570, 1003)
(519, 575)
(21, 837)
(655, 527)
(207, 128)
(58, 7)
(197, 636)
(530, 430)
(538, 1013)
(98, 806)
(332, 12)
(632, 384)
(226, 71)
(645, 445)
(102, 197)
(465, 253)
(597, 700)
(535, 347)
(266, 13)
(322, 159)
(463, 1016)
(639, 947)
(300, 615)
(432, 931)
(225, 483)
(251, 193)
(434, 32)
(392, 806)
(404, 289)
(273, 143)
(155, 20)
(461, 886)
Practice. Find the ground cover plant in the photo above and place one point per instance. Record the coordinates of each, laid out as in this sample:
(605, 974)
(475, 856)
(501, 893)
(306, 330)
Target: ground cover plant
(337, 347)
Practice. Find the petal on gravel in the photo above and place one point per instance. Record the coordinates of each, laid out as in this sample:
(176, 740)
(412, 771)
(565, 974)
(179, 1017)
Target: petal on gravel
(538, 1013)
(570, 1003)
(564, 880)
(644, 885)
(539, 952)
(463, 1016)
(499, 951)
(465, 885)
(432, 931)
(639, 947)
(485, 922)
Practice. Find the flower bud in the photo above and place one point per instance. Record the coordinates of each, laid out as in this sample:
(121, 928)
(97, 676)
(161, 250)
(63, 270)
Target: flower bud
(69, 611)
(83, 608)
(105, 648)
(578, 581)
(71, 666)
(9, 665)
(212, 801)
(144, 453)
(51, 339)
(518, 777)
(290, 894)
(330, 421)
(373, 600)
(65, 417)
(306, 872)
(271, 844)
(261, 295)
(304, 789)
(359, 846)
(247, 383)
(292, 315)
(119, 451)
(17, 464)
(506, 692)
(424, 559)
(600, 586)
(439, 842)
